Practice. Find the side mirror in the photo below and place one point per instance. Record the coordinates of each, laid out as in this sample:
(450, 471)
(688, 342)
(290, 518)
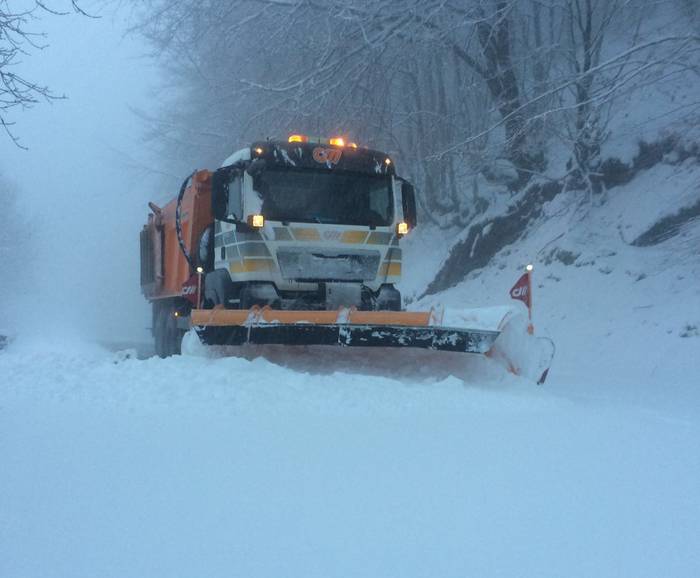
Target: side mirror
(408, 201)
(219, 194)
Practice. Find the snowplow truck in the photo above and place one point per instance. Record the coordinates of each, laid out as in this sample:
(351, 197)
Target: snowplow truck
(290, 242)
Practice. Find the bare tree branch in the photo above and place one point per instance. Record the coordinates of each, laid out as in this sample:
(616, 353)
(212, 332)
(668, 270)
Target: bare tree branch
(16, 38)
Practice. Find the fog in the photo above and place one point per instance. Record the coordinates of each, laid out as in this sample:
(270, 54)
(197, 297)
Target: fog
(82, 184)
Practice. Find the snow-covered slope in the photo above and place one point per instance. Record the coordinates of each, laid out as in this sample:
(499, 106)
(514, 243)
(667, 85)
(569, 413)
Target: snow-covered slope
(619, 313)
(196, 466)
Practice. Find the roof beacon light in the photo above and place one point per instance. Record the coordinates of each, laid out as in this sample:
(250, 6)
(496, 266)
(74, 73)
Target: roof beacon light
(298, 138)
(337, 141)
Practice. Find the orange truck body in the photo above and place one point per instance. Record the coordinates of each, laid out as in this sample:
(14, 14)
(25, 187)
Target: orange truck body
(164, 268)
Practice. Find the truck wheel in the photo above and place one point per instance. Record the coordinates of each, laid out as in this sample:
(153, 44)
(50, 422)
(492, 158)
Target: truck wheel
(168, 336)
(159, 332)
(173, 335)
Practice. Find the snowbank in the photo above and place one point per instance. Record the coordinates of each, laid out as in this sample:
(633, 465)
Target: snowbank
(224, 466)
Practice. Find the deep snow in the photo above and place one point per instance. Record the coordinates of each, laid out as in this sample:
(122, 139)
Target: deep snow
(194, 466)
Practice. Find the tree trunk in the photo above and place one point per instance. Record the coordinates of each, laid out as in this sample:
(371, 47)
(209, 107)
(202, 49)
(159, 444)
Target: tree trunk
(495, 41)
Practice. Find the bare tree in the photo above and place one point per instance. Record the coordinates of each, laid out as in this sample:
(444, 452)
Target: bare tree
(455, 89)
(17, 39)
(611, 48)
(599, 76)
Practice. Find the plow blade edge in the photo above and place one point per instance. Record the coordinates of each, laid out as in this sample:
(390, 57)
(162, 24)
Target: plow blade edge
(346, 329)
(436, 338)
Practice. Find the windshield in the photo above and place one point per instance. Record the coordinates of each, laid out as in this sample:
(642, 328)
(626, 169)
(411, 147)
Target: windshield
(310, 196)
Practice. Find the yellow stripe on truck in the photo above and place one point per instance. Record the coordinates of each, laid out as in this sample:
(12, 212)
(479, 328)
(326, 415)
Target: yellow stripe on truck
(252, 265)
(390, 270)
(353, 237)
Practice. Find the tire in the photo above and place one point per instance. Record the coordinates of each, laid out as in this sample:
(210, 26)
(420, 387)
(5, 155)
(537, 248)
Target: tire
(168, 337)
(159, 332)
(173, 335)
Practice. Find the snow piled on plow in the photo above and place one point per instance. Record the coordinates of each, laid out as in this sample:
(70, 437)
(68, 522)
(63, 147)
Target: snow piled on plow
(486, 318)
(405, 365)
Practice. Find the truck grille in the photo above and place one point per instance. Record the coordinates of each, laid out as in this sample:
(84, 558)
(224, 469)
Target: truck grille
(322, 264)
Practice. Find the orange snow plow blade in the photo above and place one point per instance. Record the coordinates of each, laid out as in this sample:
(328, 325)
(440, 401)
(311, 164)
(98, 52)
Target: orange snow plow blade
(488, 331)
(345, 327)
(223, 317)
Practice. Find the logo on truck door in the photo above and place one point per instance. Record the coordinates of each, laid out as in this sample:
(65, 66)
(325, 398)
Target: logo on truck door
(327, 156)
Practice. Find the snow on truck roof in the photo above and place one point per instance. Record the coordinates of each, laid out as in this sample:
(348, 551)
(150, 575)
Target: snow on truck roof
(313, 155)
(240, 155)
(377, 162)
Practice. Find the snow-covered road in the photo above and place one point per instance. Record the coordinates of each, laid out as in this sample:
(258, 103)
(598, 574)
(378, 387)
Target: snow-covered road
(226, 467)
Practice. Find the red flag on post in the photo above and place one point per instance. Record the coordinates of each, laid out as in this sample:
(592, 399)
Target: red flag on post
(522, 291)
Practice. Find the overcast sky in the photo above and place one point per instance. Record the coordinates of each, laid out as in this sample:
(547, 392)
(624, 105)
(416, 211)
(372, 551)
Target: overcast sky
(84, 201)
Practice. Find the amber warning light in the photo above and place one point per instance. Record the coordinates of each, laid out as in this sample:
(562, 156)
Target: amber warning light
(337, 141)
(256, 221)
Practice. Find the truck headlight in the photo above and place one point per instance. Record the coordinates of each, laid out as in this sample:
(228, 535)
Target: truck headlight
(402, 228)
(256, 221)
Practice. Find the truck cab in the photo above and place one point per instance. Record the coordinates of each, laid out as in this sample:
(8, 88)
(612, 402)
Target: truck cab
(306, 223)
